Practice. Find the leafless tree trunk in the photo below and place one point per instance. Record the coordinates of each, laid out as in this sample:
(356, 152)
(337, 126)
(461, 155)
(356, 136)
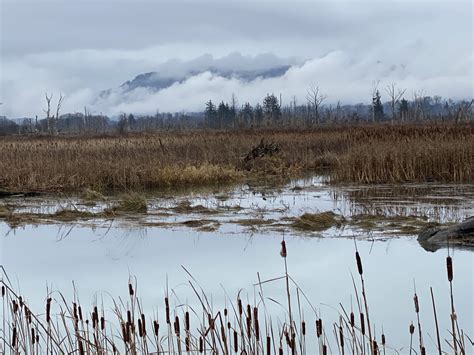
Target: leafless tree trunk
(48, 112)
(395, 95)
(315, 98)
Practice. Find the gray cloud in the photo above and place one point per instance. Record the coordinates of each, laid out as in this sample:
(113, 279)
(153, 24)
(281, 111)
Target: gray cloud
(82, 47)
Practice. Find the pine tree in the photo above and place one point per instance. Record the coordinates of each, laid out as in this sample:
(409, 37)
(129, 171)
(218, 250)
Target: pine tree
(377, 107)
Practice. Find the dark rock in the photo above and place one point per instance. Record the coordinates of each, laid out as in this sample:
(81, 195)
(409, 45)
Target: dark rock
(460, 235)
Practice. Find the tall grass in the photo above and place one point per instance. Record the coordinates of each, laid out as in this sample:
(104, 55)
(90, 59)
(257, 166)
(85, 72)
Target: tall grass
(244, 326)
(358, 153)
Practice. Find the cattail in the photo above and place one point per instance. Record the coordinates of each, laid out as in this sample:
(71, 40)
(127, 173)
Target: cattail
(20, 300)
(140, 328)
(417, 306)
(48, 310)
(3, 291)
(341, 336)
(449, 267)
(210, 321)
(255, 321)
(79, 309)
(236, 342)
(125, 334)
(423, 350)
(176, 326)
(14, 337)
(225, 312)
(201, 345)
(143, 325)
(359, 263)
(412, 328)
(303, 328)
(156, 327)
(375, 347)
(249, 326)
(33, 336)
(167, 309)
(319, 327)
(239, 305)
(383, 339)
(229, 325)
(269, 345)
(283, 249)
(102, 323)
(130, 289)
(81, 348)
(129, 317)
(186, 321)
(362, 324)
(74, 311)
(280, 351)
(14, 306)
(325, 350)
(188, 343)
(352, 320)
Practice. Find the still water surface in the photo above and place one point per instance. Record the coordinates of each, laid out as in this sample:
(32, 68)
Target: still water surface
(100, 258)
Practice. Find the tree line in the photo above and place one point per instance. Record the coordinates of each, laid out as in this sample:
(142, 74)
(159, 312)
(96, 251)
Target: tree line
(270, 112)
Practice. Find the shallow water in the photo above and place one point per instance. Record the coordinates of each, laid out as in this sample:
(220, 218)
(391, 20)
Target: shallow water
(99, 257)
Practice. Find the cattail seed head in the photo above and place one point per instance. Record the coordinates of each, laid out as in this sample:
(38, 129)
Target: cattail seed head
(283, 249)
(383, 339)
(130, 289)
(239, 306)
(186, 321)
(48, 310)
(359, 263)
(156, 327)
(3, 291)
(303, 328)
(417, 305)
(362, 324)
(352, 320)
(449, 267)
(412, 328)
(236, 342)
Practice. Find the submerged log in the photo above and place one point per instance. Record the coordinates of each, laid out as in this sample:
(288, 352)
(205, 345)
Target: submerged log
(460, 235)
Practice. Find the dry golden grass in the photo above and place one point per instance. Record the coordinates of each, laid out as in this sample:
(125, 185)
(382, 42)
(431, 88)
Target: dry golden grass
(364, 153)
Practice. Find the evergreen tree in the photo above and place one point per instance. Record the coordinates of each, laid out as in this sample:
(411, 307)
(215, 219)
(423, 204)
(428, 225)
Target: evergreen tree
(271, 108)
(258, 115)
(377, 107)
(403, 109)
(211, 115)
(247, 114)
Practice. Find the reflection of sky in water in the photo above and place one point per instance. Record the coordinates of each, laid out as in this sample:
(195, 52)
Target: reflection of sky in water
(100, 261)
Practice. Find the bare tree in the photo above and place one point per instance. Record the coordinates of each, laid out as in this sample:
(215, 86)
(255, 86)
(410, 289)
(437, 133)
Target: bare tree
(315, 99)
(395, 96)
(464, 110)
(48, 112)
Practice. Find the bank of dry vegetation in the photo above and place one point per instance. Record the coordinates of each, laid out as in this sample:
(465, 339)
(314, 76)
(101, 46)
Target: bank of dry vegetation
(361, 154)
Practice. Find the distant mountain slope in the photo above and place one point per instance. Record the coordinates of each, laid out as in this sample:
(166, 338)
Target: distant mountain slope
(158, 81)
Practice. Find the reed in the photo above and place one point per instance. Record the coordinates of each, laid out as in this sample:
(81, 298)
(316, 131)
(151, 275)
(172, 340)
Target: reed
(356, 153)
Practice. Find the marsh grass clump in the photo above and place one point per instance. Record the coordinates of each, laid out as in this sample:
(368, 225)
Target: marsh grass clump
(318, 221)
(131, 203)
(70, 215)
(185, 207)
(92, 195)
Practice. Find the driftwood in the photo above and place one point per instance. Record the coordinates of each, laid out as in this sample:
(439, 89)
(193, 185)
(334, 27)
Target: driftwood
(460, 235)
(262, 150)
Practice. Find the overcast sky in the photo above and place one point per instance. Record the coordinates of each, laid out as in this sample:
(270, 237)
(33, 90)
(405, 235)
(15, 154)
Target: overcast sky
(81, 47)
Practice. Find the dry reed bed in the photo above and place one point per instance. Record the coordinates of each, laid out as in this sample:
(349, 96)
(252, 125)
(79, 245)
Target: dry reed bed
(244, 327)
(365, 154)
